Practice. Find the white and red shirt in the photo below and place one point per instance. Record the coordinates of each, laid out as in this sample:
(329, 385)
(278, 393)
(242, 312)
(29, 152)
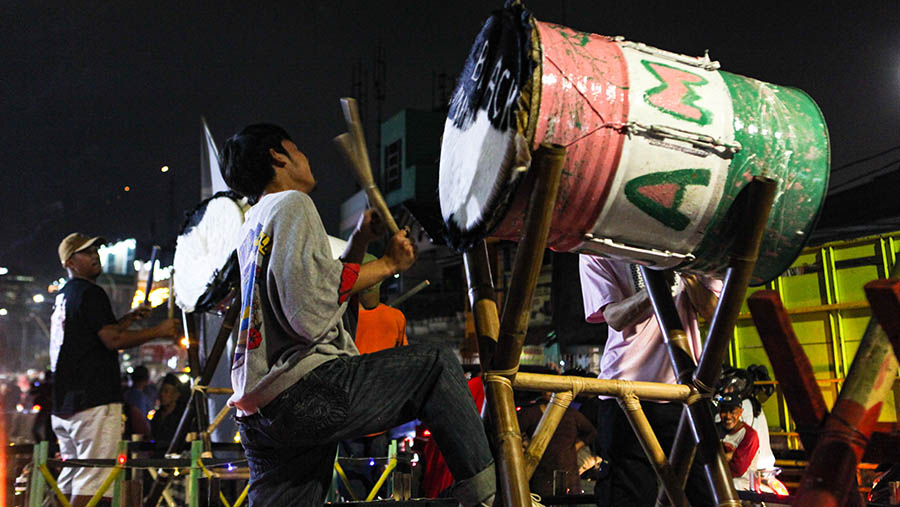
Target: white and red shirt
(745, 443)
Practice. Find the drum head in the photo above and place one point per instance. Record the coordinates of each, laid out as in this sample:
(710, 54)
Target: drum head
(205, 269)
(485, 133)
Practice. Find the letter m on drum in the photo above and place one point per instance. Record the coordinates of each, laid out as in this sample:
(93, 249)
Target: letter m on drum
(676, 94)
(660, 194)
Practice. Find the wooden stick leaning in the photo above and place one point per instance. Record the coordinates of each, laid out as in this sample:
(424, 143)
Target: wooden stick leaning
(352, 146)
(149, 285)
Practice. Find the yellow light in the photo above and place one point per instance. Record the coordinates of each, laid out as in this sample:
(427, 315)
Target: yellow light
(184, 342)
(127, 188)
(158, 296)
(164, 169)
(186, 369)
(237, 437)
(150, 415)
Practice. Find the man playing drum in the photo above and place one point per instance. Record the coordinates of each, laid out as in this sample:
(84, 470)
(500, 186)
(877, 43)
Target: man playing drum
(614, 293)
(300, 385)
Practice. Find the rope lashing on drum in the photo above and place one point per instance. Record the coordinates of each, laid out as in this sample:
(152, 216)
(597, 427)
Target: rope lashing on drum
(605, 125)
(586, 100)
(698, 140)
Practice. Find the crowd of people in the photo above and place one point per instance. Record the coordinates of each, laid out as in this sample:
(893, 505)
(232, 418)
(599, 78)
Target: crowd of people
(319, 360)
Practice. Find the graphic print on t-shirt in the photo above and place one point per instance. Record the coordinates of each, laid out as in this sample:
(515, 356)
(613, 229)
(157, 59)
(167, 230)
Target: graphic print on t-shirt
(57, 329)
(251, 253)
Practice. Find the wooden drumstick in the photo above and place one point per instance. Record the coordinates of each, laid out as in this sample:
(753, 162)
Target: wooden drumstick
(351, 152)
(147, 288)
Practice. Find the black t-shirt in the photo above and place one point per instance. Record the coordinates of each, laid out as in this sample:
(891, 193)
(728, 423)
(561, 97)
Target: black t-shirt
(85, 372)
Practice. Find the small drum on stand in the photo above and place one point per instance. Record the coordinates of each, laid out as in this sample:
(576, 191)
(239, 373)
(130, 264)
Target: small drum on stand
(658, 147)
(206, 266)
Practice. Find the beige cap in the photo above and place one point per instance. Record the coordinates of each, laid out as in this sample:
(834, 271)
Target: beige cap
(76, 242)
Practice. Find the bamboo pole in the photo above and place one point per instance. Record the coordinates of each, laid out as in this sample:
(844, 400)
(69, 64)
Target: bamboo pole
(546, 427)
(548, 162)
(631, 405)
(742, 260)
(605, 387)
(483, 302)
(752, 210)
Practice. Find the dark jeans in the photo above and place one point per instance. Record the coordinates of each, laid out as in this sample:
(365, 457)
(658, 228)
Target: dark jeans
(632, 480)
(291, 442)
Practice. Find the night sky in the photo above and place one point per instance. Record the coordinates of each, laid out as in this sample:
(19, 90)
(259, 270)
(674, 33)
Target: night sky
(97, 96)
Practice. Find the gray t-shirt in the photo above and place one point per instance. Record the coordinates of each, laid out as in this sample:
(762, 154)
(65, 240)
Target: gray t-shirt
(291, 300)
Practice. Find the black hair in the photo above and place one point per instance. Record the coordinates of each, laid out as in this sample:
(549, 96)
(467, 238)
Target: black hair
(172, 380)
(140, 373)
(246, 164)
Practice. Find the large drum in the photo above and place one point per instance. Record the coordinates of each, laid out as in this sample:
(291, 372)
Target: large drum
(206, 267)
(658, 147)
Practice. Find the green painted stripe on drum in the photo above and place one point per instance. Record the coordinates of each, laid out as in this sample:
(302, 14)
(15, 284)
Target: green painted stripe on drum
(783, 135)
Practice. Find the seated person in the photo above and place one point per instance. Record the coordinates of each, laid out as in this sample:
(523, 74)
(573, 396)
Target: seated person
(172, 402)
(572, 434)
(740, 441)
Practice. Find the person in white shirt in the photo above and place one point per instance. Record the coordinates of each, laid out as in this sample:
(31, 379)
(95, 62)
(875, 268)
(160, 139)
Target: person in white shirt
(614, 293)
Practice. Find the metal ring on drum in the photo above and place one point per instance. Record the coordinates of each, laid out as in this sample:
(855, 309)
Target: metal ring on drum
(658, 147)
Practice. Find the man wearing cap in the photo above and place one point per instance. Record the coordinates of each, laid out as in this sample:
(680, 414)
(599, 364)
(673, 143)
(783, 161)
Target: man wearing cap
(740, 441)
(84, 339)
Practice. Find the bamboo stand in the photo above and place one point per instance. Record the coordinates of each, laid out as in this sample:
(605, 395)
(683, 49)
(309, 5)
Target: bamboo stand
(500, 341)
(697, 429)
(196, 410)
(500, 345)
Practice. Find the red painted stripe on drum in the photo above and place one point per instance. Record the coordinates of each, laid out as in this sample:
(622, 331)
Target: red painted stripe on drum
(584, 102)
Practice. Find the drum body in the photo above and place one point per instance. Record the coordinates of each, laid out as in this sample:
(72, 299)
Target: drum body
(658, 147)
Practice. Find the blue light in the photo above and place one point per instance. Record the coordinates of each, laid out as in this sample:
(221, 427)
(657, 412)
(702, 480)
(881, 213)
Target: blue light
(372, 462)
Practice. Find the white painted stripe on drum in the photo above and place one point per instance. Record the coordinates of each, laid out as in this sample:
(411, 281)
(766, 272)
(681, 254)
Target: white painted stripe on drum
(475, 164)
(620, 218)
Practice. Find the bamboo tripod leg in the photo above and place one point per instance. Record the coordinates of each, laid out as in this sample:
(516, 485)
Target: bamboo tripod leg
(548, 162)
(641, 426)
(752, 207)
(483, 302)
(545, 430)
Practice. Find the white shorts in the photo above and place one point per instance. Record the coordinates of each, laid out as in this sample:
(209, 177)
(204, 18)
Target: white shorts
(90, 434)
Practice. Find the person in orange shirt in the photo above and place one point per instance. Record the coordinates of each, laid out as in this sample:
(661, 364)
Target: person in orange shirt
(379, 326)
